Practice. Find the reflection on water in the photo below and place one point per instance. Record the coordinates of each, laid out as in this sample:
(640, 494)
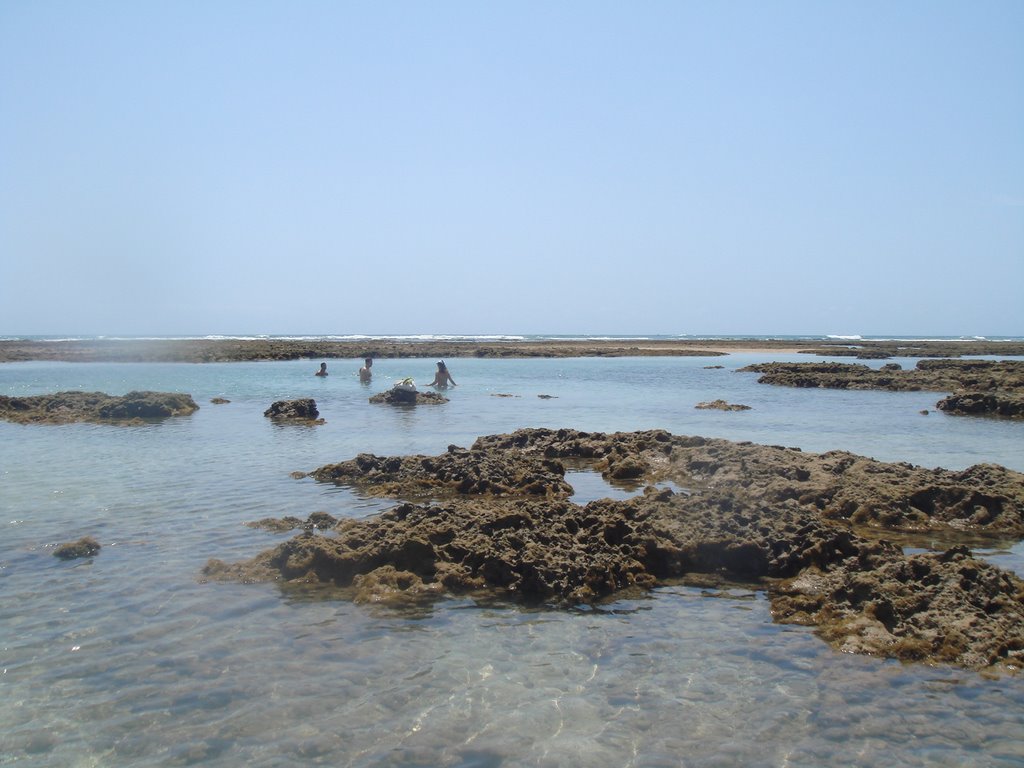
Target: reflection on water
(590, 485)
(127, 659)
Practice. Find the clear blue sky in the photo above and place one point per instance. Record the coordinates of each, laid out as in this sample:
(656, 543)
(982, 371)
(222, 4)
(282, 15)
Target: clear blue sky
(198, 167)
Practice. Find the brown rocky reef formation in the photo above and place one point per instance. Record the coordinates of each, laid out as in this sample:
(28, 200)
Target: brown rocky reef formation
(979, 387)
(396, 396)
(876, 349)
(457, 471)
(721, 405)
(86, 546)
(68, 407)
(804, 526)
(303, 409)
(1006, 404)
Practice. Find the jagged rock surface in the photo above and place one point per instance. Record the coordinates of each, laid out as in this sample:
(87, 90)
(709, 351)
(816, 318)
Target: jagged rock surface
(302, 409)
(979, 387)
(406, 397)
(804, 526)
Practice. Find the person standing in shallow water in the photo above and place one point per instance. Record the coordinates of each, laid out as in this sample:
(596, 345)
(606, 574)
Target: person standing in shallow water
(365, 373)
(322, 371)
(442, 378)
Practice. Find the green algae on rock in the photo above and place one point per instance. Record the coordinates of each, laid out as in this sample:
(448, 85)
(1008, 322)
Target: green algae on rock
(69, 407)
(86, 546)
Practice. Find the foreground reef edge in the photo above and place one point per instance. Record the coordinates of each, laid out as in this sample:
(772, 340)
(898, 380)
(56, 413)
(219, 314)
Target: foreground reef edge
(813, 530)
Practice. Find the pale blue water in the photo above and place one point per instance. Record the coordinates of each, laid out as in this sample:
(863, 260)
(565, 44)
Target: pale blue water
(128, 660)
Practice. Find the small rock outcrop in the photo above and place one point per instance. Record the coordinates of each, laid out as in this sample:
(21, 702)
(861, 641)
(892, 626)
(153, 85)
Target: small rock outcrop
(303, 409)
(722, 405)
(86, 546)
(69, 407)
(396, 396)
(1007, 405)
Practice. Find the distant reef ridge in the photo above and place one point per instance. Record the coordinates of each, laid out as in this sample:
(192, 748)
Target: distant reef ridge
(233, 349)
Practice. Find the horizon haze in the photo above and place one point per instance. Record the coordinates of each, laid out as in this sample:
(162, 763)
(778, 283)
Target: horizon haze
(697, 168)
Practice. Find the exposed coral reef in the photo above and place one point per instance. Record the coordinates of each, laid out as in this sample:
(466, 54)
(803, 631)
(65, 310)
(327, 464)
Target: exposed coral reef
(807, 527)
(979, 387)
(69, 407)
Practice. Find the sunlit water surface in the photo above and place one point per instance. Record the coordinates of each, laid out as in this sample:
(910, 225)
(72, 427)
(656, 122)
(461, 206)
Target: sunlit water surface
(127, 659)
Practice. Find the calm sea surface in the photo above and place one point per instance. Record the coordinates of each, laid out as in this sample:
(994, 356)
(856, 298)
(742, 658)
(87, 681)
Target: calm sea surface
(127, 659)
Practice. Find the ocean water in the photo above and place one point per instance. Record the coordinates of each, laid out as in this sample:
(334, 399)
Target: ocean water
(128, 659)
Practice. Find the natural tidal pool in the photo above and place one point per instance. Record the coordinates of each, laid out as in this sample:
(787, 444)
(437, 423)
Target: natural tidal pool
(128, 659)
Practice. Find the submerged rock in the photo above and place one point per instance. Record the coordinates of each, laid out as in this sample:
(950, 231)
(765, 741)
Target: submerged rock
(86, 546)
(497, 519)
(317, 520)
(69, 407)
(722, 405)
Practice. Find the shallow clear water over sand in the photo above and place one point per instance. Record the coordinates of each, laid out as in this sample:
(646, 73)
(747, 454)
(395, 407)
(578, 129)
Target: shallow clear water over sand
(128, 660)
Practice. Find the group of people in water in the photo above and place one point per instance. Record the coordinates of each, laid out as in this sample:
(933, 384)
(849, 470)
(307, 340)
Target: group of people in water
(442, 378)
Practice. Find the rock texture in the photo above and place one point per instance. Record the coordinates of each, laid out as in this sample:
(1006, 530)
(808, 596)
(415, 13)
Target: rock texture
(303, 409)
(804, 526)
(722, 405)
(945, 607)
(979, 387)
(316, 521)
(407, 397)
(68, 407)
(1009, 405)
(458, 471)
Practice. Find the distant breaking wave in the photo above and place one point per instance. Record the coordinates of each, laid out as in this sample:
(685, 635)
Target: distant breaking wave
(498, 337)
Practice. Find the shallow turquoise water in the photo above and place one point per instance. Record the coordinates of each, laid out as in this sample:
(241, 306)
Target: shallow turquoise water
(128, 660)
